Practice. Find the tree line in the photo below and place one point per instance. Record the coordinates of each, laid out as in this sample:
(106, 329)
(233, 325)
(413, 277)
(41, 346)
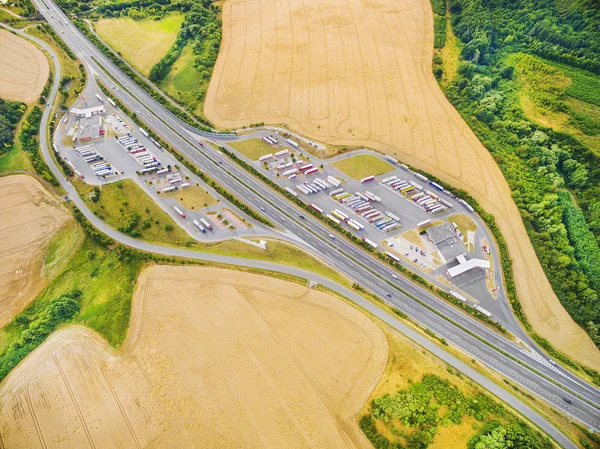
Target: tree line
(10, 114)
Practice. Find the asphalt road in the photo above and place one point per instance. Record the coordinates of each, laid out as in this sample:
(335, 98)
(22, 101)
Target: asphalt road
(344, 256)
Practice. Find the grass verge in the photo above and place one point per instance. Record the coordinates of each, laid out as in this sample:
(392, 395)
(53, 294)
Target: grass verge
(73, 74)
(363, 165)
(192, 198)
(252, 148)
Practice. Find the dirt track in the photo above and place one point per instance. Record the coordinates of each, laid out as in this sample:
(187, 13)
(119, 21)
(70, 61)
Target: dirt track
(23, 69)
(214, 359)
(30, 217)
(359, 73)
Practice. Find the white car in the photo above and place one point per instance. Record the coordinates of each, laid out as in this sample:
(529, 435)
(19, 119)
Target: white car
(283, 219)
(394, 276)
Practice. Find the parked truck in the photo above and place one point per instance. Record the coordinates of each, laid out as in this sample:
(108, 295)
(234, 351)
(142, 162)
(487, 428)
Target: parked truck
(370, 242)
(199, 226)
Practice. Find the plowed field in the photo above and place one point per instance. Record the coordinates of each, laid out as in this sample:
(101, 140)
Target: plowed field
(358, 72)
(213, 359)
(23, 69)
(29, 218)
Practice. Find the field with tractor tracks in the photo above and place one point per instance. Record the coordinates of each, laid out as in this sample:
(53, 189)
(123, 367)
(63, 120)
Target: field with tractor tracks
(227, 358)
(24, 69)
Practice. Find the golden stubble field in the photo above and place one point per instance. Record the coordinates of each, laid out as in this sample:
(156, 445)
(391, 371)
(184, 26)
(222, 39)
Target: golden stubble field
(23, 69)
(29, 218)
(358, 72)
(214, 359)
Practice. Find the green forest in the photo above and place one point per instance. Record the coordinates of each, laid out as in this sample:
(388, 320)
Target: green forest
(10, 114)
(412, 417)
(555, 178)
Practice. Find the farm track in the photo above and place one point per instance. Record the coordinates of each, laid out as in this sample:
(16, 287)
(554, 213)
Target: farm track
(370, 84)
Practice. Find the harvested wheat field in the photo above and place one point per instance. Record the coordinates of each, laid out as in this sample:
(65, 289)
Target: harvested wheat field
(214, 359)
(359, 73)
(23, 69)
(30, 218)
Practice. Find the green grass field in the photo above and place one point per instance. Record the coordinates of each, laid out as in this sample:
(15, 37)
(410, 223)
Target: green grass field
(252, 148)
(60, 249)
(120, 201)
(560, 97)
(186, 84)
(16, 159)
(106, 280)
(141, 42)
(363, 165)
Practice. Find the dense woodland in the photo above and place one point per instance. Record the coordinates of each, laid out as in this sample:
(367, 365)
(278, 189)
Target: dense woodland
(10, 114)
(540, 164)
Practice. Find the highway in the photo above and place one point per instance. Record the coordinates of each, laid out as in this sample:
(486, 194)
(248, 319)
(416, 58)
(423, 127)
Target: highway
(344, 256)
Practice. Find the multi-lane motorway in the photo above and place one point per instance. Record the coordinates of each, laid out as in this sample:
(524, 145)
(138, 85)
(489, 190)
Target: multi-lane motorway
(354, 262)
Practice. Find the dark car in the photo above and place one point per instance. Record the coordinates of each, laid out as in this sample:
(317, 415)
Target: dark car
(301, 216)
(567, 400)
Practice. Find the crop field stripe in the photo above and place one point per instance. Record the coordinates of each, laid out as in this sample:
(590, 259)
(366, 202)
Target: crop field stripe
(75, 403)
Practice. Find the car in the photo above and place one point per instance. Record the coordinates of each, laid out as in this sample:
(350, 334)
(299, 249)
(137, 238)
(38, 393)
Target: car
(262, 208)
(220, 163)
(391, 245)
(394, 276)
(301, 216)
(415, 260)
(389, 295)
(331, 236)
(405, 254)
(282, 219)
(417, 249)
(567, 400)
(411, 247)
(552, 361)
